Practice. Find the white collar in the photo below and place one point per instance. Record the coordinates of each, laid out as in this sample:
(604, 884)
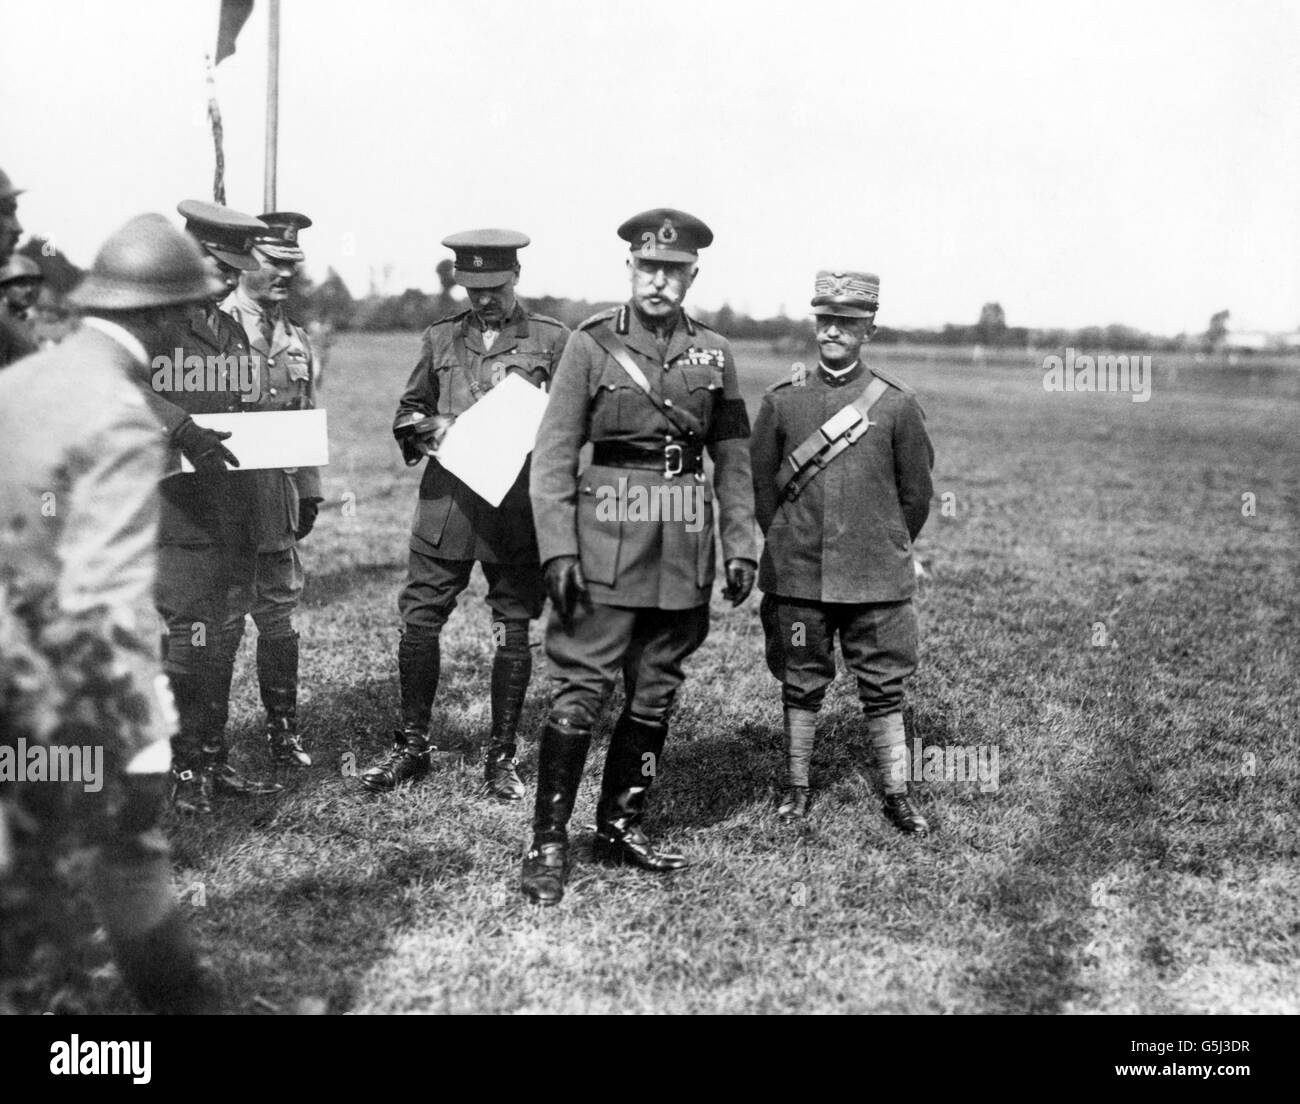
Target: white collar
(838, 373)
(123, 337)
(246, 304)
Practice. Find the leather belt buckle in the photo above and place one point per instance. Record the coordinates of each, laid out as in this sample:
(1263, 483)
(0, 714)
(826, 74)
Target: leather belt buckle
(673, 455)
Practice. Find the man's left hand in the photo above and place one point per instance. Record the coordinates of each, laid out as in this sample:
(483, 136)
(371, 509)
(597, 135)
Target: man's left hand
(308, 508)
(740, 580)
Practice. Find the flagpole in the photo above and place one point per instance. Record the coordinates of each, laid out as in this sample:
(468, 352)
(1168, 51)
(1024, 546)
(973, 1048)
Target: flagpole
(272, 102)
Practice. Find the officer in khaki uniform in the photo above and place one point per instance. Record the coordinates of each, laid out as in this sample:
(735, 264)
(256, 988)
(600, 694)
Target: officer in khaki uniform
(462, 358)
(196, 557)
(842, 487)
(650, 389)
(283, 502)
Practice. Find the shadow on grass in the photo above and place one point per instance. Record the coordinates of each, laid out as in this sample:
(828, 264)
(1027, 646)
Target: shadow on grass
(321, 933)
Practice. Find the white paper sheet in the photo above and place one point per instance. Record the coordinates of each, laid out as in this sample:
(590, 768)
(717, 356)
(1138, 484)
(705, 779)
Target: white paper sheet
(272, 438)
(487, 446)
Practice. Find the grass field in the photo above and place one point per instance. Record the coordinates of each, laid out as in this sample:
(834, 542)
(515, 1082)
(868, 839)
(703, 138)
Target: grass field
(1138, 855)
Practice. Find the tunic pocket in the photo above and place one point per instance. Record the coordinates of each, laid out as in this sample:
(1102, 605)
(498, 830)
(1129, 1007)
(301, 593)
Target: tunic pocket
(599, 535)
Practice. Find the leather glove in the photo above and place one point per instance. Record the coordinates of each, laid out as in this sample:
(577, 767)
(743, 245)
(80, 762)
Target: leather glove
(740, 580)
(421, 436)
(566, 585)
(308, 508)
(203, 448)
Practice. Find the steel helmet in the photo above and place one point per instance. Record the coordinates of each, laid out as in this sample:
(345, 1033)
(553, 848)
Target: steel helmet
(20, 268)
(7, 189)
(147, 263)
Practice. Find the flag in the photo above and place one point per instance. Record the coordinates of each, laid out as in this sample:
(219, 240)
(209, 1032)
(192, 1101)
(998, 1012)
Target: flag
(234, 14)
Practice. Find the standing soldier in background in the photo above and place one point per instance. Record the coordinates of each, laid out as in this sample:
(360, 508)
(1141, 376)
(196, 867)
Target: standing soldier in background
(20, 288)
(82, 456)
(284, 501)
(13, 343)
(463, 357)
(651, 389)
(201, 525)
(842, 487)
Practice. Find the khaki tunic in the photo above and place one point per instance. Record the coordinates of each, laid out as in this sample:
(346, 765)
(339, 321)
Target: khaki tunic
(628, 561)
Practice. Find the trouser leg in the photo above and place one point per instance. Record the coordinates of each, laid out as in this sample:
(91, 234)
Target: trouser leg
(653, 672)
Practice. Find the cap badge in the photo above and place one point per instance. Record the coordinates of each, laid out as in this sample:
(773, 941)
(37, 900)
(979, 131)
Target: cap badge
(478, 261)
(667, 234)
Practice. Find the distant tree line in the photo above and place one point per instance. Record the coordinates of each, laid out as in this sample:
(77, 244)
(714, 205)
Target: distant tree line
(333, 305)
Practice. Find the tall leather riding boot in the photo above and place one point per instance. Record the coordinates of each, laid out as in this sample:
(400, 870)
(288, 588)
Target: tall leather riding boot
(191, 754)
(277, 677)
(511, 669)
(219, 673)
(635, 751)
(562, 756)
(419, 662)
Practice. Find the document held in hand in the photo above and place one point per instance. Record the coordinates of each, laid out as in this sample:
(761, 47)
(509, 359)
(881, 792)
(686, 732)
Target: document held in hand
(271, 438)
(487, 446)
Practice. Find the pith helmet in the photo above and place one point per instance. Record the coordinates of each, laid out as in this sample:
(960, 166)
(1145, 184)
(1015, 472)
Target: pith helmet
(147, 263)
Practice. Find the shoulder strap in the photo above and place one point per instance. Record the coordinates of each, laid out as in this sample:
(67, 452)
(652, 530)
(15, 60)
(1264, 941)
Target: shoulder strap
(840, 431)
(683, 421)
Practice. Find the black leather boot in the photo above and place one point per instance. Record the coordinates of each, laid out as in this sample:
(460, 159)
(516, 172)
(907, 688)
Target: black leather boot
(511, 668)
(902, 814)
(561, 759)
(418, 665)
(635, 751)
(407, 758)
(277, 677)
(225, 778)
(191, 762)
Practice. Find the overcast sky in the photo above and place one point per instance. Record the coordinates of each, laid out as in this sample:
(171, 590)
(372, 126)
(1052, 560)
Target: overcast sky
(1079, 163)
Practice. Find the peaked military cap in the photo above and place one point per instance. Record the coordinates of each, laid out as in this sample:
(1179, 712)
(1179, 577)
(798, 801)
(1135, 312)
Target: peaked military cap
(280, 239)
(847, 294)
(485, 258)
(666, 234)
(226, 234)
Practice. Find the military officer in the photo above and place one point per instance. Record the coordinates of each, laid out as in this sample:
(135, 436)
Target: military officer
(20, 287)
(285, 502)
(651, 389)
(842, 487)
(462, 358)
(201, 527)
(13, 343)
(82, 456)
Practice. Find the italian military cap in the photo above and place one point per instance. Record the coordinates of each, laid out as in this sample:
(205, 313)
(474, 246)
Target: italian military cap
(280, 240)
(847, 294)
(7, 189)
(20, 269)
(485, 258)
(665, 234)
(226, 234)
